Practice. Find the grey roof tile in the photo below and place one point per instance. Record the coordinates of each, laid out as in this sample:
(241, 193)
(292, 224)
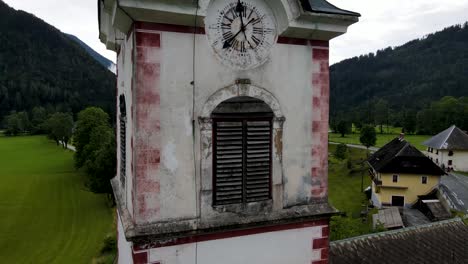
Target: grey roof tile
(453, 138)
(399, 156)
(439, 242)
(322, 6)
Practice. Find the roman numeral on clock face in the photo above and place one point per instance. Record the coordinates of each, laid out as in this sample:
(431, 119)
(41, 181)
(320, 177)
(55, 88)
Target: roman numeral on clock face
(256, 40)
(257, 20)
(235, 44)
(233, 12)
(242, 47)
(250, 14)
(228, 35)
(257, 30)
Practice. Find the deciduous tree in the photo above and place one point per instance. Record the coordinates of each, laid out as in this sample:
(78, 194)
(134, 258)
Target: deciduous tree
(344, 127)
(38, 118)
(17, 123)
(94, 140)
(368, 136)
(59, 128)
(88, 119)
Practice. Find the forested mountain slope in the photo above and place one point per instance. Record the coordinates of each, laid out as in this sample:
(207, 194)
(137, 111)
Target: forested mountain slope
(406, 78)
(101, 59)
(41, 66)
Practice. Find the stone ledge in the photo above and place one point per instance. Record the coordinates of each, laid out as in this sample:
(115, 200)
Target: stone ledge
(169, 230)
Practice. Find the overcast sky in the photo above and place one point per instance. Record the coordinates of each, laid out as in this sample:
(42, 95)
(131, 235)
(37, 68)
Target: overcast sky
(382, 24)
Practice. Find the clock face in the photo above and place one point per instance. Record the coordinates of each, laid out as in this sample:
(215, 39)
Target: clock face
(241, 33)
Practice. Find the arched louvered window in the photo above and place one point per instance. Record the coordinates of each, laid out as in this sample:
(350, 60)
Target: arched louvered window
(242, 146)
(123, 136)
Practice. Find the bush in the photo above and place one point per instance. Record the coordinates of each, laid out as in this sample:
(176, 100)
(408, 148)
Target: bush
(342, 227)
(109, 244)
(368, 136)
(341, 151)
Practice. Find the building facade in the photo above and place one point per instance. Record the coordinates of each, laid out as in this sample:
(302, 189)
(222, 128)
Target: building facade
(449, 149)
(400, 174)
(223, 113)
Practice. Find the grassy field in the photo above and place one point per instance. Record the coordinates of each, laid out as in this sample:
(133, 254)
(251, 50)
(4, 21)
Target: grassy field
(345, 187)
(465, 173)
(46, 214)
(382, 139)
(345, 194)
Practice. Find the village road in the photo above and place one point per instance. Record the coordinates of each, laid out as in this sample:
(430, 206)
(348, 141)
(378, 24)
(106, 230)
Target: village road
(70, 147)
(455, 186)
(372, 149)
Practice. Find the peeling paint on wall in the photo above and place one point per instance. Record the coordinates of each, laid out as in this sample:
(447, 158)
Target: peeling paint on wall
(148, 132)
(320, 110)
(169, 157)
(278, 143)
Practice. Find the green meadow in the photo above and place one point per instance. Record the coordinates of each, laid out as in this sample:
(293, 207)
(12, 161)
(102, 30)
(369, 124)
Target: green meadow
(344, 193)
(46, 214)
(382, 139)
(345, 186)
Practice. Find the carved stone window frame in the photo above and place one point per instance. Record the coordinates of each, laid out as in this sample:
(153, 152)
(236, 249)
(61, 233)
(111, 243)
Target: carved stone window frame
(206, 151)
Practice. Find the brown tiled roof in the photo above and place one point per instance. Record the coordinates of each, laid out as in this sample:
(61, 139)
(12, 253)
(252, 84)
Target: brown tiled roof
(399, 156)
(439, 242)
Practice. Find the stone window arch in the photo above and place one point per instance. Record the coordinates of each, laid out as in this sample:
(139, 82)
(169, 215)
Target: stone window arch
(206, 143)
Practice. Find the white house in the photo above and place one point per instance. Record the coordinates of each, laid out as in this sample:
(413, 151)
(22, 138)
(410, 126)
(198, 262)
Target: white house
(223, 113)
(449, 149)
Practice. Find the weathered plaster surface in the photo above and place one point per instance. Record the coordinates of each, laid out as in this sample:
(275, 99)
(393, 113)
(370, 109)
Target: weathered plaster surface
(320, 106)
(124, 86)
(148, 131)
(124, 247)
(308, 244)
(169, 187)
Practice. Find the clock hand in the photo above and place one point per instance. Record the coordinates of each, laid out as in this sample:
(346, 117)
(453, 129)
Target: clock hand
(227, 43)
(239, 10)
(251, 20)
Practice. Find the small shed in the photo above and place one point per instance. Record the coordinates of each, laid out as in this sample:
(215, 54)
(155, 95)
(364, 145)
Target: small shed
(390, 218)
(434, 210)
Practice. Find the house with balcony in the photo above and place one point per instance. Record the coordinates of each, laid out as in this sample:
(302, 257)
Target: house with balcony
(449, 149)
(401, 173)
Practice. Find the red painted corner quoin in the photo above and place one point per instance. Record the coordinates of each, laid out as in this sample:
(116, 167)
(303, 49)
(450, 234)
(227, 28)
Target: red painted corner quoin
(320, 106)
(148, 146)
(322, 245)
(140, 253)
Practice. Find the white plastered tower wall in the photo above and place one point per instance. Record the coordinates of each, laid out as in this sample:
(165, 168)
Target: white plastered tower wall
(169, 75)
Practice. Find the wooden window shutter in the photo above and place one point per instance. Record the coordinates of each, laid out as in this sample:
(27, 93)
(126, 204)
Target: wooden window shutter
(123, 137)
(241, 160)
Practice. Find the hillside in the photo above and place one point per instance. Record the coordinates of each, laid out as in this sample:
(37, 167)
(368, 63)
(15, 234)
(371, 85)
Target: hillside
(101, 59)
(409, 77)
(41, 66)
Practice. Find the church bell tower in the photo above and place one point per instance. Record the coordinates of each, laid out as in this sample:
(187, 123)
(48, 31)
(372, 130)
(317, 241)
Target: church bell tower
(223, 109)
